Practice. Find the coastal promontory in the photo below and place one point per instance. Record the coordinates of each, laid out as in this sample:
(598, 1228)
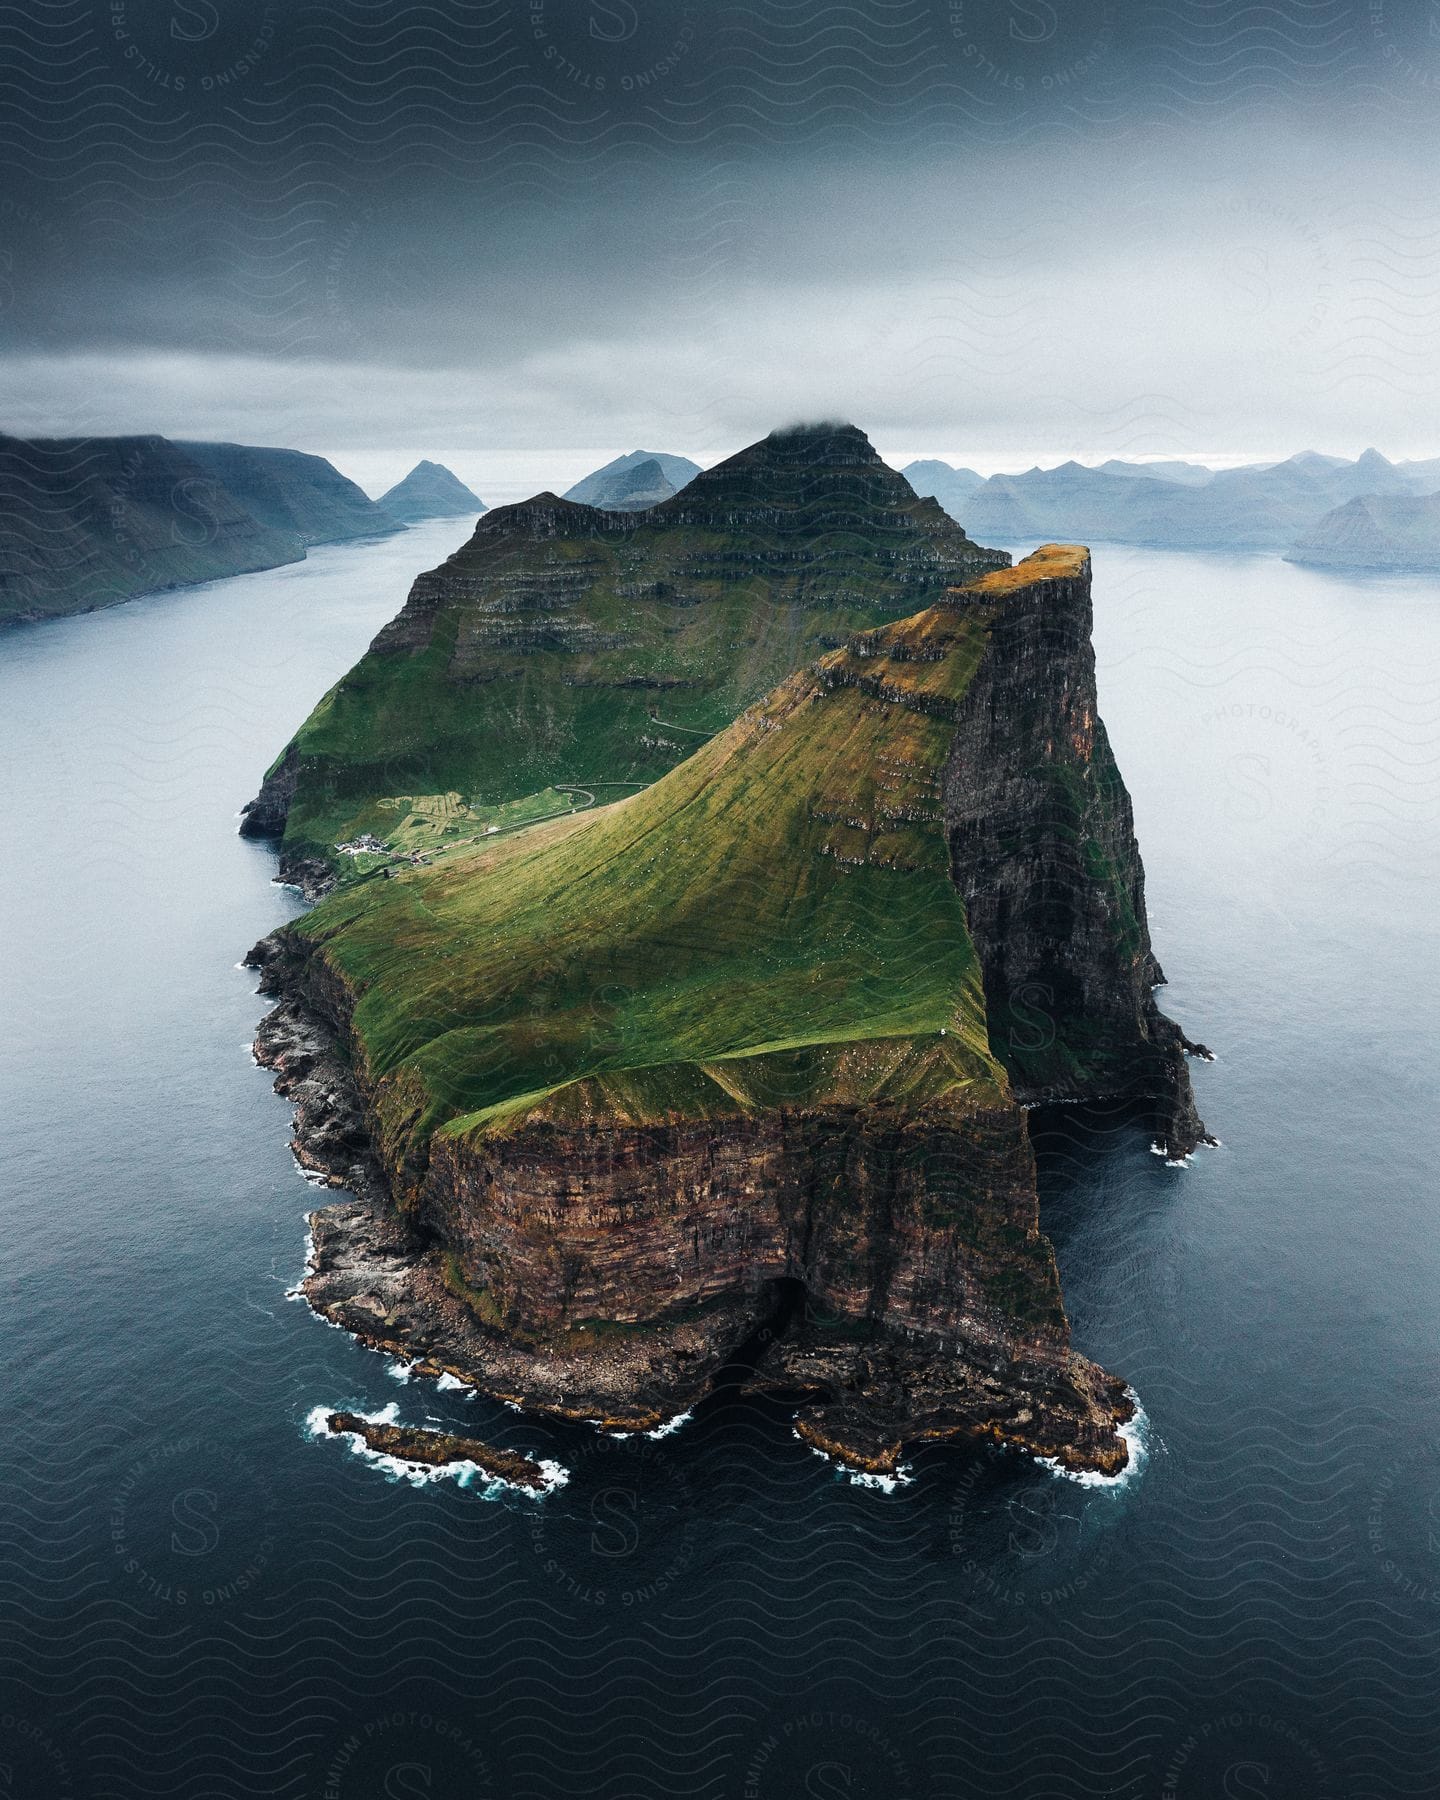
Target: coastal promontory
(732, 1067)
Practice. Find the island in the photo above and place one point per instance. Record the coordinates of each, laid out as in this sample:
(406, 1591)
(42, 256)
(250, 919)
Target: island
(730, 1069)
(1376, 532)
(603, 486)
(429, 491)
(631, 489)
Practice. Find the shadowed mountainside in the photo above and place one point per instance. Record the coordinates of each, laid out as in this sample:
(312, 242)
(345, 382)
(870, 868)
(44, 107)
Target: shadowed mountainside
(294, 491)
(89, 522)
(565, 648)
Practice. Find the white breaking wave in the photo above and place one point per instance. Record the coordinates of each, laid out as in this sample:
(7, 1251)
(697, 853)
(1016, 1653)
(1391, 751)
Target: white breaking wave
(1136, 1437)
(670, 1425)
(885, 1484)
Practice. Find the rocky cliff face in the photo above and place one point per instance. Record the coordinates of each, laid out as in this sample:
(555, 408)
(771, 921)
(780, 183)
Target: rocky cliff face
(892, 1269)
(1042, 845)
(718, 1061)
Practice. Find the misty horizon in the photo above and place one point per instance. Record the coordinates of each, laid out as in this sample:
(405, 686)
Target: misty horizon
(501, 477)
(1000, 235)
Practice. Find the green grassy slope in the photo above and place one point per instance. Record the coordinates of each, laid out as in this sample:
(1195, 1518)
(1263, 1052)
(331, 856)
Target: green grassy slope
(565, 645)
(773, 923)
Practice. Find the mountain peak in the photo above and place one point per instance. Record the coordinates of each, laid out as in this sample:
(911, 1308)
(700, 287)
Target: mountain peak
(1310, 459)
(633, 488)
(828, 443)
(821, 477)
(601, 485)
(430, 491)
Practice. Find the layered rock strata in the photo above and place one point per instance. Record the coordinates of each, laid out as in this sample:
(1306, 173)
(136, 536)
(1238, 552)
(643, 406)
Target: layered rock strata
(1043, 849)
(567, 653)
(715, 1072)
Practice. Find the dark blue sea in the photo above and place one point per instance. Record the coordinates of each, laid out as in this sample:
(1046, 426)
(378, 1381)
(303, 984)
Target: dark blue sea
(196, 1600)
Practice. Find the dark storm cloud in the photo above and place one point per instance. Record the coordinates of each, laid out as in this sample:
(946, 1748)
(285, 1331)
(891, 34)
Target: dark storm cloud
(1002, 223)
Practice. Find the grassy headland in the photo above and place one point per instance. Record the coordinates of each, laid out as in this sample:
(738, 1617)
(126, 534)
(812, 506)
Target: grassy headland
(771, 924)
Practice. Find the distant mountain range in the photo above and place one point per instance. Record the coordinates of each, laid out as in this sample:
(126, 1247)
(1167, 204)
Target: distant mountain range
(951, 487)
(631, 483)
(1376, 531)
(89, 522)
(1263, 507)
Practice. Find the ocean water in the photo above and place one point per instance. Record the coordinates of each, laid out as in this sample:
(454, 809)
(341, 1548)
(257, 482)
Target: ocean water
(198, 1600)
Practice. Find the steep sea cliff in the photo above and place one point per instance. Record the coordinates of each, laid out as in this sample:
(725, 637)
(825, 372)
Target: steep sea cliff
(715, 1073)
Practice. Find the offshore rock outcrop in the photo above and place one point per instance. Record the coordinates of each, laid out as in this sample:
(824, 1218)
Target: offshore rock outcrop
(613, 1095)
(425, 1448)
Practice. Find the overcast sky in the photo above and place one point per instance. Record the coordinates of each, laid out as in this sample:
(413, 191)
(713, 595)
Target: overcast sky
(999, 231)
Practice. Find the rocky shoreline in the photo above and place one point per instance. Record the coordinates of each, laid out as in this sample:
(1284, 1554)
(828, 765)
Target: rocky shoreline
(860, 1403)
(373, 1274)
